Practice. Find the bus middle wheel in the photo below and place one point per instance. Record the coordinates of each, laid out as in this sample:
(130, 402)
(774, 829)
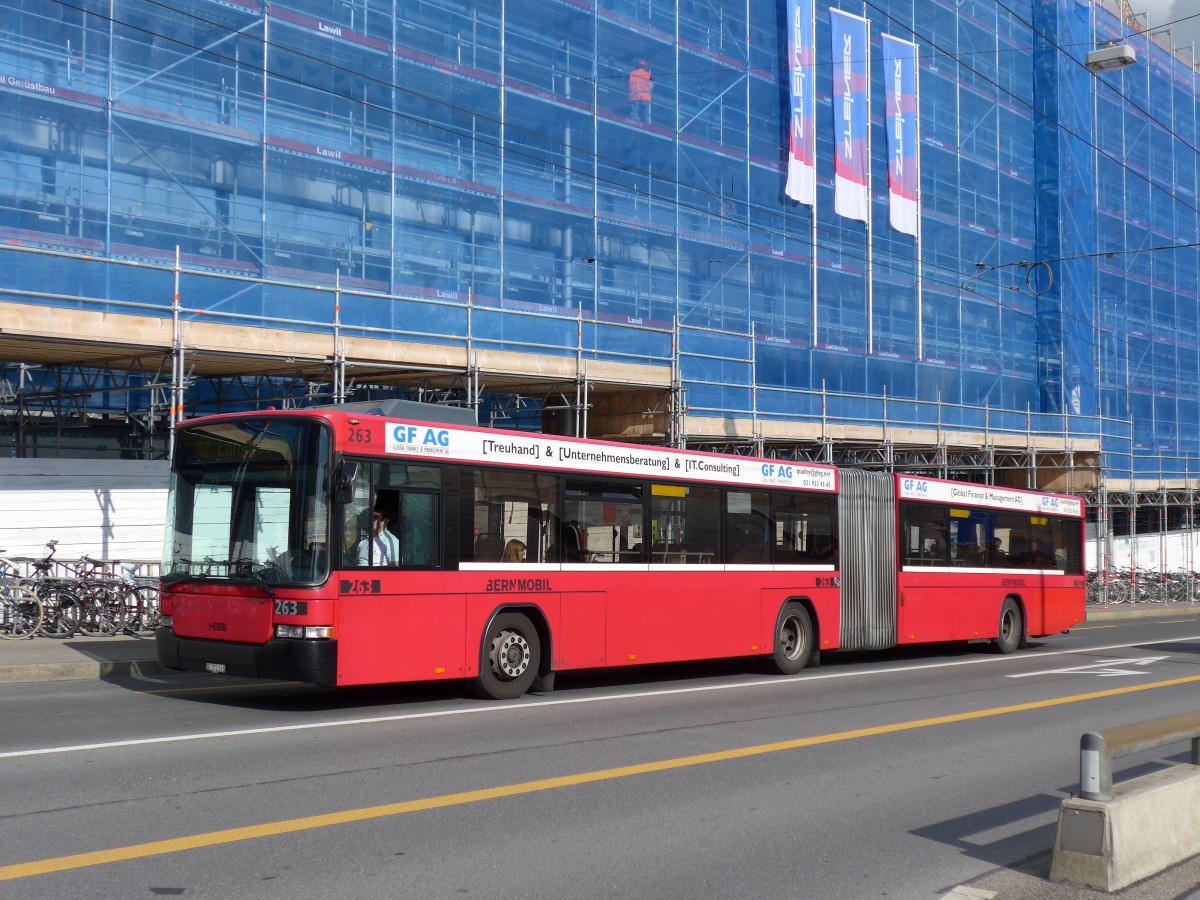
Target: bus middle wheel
(1012, 627)
(511, 655)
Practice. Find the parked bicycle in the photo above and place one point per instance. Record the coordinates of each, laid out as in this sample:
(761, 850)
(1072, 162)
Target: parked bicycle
(140, 597)
(1143, 586)
(62, 608)
(21, 611)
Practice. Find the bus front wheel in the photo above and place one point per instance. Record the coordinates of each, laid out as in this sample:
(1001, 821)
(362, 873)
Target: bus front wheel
(793, 641)
(510, 659)
(1012, 627)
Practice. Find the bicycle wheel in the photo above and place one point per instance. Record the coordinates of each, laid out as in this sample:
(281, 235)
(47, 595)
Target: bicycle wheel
(62, 608)
(141, 608)
(20, 613)
(1118, 591)
(101, 610)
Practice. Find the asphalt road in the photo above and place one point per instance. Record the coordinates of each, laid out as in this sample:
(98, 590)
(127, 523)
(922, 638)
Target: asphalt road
(899, 775)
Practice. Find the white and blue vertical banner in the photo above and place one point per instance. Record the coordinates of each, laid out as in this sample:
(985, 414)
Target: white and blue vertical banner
(851, 115)
(900, 90)
(802, 146)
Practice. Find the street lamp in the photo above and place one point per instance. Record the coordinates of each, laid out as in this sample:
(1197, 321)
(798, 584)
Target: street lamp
(1114, 56)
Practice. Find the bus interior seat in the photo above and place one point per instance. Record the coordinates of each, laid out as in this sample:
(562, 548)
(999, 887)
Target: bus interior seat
(750, 553)
(820, 547)
(570, 547)
(489, 549)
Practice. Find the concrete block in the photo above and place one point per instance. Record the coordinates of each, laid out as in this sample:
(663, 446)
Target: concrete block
(1151, 824)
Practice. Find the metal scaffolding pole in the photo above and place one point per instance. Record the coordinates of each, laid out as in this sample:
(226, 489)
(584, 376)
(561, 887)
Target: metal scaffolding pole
(339, 351)
(177, 361)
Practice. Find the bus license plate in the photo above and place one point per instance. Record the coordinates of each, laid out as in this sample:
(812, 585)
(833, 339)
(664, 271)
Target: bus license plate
(215, 668)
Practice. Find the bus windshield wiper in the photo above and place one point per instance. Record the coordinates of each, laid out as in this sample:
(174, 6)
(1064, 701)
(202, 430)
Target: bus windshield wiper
(170, 581)
(244, 568)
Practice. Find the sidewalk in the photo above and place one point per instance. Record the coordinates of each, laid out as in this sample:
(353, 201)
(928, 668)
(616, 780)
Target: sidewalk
(80, 657)
(46, 659)
(1141, 611)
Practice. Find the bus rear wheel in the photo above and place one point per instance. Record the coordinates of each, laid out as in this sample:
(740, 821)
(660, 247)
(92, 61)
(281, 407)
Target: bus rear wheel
(1012, 627)
(793, 641)
(510, 659)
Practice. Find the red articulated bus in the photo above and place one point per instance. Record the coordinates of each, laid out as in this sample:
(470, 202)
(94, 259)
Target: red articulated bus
(399, 542)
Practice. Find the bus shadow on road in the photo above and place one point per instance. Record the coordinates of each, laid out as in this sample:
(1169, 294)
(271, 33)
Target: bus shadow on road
(298, 697)
(275, 696)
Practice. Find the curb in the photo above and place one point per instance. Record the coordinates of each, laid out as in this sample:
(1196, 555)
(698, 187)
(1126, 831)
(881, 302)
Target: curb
(77, 671)
(1139, 611)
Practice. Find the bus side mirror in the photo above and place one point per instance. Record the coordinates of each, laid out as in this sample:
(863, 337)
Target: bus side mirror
(343, 481)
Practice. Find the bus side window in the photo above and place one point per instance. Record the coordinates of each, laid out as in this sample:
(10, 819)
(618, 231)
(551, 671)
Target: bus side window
(803, 528)
(498, 506)
(684, 524)
(410, 496)
(601, 519)
(923, 533)
(748, 527)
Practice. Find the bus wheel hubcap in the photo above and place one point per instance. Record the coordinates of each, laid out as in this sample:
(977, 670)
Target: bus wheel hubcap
(510, 654)
(789, 638)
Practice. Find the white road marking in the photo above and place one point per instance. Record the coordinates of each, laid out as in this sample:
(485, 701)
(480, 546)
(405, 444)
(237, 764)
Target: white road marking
(536, 702)
(1105, 668)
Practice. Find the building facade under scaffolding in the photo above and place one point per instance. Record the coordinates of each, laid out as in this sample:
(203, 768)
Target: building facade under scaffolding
(225, 204)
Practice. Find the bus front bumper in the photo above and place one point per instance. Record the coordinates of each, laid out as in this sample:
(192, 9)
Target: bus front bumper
(314, 662)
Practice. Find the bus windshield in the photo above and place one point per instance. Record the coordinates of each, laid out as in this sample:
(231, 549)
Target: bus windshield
(249, 502)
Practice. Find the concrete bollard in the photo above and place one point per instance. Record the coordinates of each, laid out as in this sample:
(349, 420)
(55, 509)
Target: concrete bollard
(1150, 824)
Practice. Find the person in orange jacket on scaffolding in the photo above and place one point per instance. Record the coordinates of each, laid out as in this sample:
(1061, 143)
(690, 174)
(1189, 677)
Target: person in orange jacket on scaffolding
(640, 86)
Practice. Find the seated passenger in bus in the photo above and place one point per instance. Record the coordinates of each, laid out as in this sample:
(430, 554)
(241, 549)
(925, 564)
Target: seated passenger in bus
(1043, 555)
(1018, 551)
(514, 552)
(969, 556)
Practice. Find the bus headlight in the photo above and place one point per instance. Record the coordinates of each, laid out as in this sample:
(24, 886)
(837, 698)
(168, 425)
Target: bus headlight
(166, 622)
(309, 632)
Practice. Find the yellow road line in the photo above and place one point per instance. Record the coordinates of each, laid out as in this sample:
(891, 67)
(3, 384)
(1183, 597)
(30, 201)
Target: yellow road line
(309, 823)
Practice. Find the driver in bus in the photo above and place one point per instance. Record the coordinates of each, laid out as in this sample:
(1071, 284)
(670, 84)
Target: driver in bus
(382, 548)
